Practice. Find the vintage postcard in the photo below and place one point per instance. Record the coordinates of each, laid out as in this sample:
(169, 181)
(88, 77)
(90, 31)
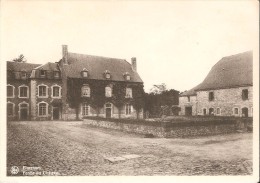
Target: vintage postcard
(123, 91)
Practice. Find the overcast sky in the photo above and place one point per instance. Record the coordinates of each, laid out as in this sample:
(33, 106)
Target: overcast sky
(175, 42)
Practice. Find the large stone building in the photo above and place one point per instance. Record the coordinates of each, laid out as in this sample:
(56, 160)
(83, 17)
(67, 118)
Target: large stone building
(227, 90)
(76, 86)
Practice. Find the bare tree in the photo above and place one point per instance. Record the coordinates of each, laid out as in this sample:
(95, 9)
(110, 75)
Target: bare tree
(20, 59)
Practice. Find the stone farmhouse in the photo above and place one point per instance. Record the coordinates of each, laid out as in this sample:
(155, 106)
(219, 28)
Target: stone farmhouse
(227, 90)
(78, 85)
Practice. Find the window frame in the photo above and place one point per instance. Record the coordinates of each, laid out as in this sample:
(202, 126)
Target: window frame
(89, 91)
(85, 106)
(245, 97)
(13, 91)
(56, 76)
(234, 111)
(131, 93)
(128, 109)
(218, 111)
(46, 109)
(19, 91)
(110, 89)
(38, 93)
(44, 73)
(52, 91)
(13, 109)
(211, 96)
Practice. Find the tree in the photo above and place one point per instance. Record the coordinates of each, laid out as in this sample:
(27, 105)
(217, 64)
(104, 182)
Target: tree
(119, 90)
(138, 96)
(157, 89)
(20, 59)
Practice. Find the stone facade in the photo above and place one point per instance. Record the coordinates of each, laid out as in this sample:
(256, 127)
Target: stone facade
(186, 102)
(225, 100)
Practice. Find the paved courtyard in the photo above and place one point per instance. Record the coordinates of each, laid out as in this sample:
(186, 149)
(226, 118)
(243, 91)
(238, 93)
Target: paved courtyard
(74, 148)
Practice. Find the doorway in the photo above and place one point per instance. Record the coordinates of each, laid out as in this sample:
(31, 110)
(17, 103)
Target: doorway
(23, 112)
(56, 113)
(188, 111)
(245, 112)
(108, 110)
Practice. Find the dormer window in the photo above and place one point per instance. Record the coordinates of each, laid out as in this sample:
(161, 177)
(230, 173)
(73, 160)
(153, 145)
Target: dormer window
(56, 74)
(127, 76)
(23, 75)
(84, 73)
(107, 74)
(42, 73)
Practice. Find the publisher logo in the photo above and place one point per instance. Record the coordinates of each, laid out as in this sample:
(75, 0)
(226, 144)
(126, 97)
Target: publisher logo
(14, 170)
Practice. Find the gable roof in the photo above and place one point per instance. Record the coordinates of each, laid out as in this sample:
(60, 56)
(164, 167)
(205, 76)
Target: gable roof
(48, 66)
(97, 65)
(229, 72)
(191, 92)
(18, 66)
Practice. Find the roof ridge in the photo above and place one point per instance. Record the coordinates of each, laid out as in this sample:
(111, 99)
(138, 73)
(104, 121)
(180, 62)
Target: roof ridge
(97, 56)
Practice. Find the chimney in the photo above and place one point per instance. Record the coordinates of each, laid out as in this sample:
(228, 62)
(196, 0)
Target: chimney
(133, 60)
(65, 54)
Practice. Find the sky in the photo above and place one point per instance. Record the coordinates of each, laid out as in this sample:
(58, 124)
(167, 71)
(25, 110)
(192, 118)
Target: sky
(175, 42)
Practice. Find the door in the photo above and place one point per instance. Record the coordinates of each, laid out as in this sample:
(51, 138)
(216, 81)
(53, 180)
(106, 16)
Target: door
(244, 112)
(188, 111)
(23, 114)
(108, 110)
(56, 113)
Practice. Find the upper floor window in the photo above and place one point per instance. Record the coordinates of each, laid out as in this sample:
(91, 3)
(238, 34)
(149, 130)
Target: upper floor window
(43, 109)
(245, 94)
(211, 96)
(85, 91)
(56, 74)
(108, 91)
(10, 91)
(23, 91)
(127, 76)
(188, 98)
(56, 91)
(128, 109)
(42, 91)
(128, 93)
(10, 109)
(42, 73)
(84, 73)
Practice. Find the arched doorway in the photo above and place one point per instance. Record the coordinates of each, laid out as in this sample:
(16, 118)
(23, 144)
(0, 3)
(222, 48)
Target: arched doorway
(108, 109)
(211, 111)
(245, 112)
(23, 109)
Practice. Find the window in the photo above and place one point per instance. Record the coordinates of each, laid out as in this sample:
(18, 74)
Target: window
(85, 91)
(211, 96)
(56, 74)
(211, 111)
(236, 111)
(42, 73)
(218, 111)
(128, 92)
(23, 75)
(42, 109)
(85, 109)
(108, 91)
(204, 111)
(128, 109)
(23, 91)
(42, 91)
(56, 91)
(108, 75)
(128, 78)
(245, 94)
(10, 109)
(188, 98)
(10, 91)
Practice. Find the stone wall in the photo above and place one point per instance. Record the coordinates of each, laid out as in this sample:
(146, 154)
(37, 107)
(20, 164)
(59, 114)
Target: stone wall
(160, 129)
(184, 102)
(226, 100)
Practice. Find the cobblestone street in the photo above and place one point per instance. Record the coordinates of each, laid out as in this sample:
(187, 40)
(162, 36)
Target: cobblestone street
(74, 148)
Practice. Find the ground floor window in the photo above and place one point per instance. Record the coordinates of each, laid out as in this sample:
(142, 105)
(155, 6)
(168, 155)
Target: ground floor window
(235, 111)
(85, 109)
(204, 111)
(128, 109)
(218, 111)
(42, 109)
(10, 109)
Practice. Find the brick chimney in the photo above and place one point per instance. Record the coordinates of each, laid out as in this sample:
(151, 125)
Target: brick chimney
(133, 60)
(65, 54)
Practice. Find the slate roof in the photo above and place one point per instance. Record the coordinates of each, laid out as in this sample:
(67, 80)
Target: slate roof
(48, 66)
(97, 65)
(229, 72)
(17, 66)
